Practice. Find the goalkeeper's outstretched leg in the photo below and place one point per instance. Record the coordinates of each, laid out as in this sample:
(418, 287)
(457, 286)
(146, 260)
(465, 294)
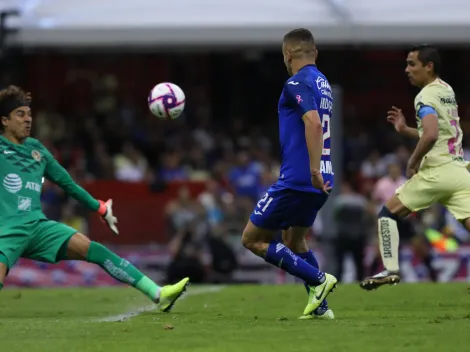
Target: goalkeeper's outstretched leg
(79, 247)
(56, 242)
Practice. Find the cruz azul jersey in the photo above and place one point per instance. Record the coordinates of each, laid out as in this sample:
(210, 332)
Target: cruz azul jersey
(307, 90)
(438, 97)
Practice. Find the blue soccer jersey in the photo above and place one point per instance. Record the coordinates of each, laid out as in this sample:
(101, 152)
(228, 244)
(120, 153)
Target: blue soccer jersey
(307, 90)
(293, 201)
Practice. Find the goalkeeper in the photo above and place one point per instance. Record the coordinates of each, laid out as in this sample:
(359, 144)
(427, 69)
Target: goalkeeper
(24, 229)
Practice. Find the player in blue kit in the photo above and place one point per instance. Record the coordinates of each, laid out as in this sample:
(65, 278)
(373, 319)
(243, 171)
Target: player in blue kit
(306, 175)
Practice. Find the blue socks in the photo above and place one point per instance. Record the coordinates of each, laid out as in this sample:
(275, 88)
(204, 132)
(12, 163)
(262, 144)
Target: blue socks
(309, 257)
(281, 256)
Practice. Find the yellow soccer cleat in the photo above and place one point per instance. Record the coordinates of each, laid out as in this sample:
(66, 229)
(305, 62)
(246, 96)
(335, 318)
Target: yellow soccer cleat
(318, 293)
(326, 315)
(169, 294)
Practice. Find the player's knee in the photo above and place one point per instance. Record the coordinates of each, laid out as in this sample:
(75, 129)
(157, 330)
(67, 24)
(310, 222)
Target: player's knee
(251, 242)
(3, 267)
(466, 223)
(247, 240)
(78, 247)
(396, 208)
(386, 213)
(256, 239)
(249, 236)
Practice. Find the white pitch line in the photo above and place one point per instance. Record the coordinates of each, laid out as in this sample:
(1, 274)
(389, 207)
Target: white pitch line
(191, 292)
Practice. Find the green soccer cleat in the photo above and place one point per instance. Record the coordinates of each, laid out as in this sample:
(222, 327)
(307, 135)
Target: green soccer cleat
(326, 315)
(169, 294)
(318, 293)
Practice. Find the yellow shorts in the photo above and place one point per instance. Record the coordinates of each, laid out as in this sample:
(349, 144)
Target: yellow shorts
(447, 184)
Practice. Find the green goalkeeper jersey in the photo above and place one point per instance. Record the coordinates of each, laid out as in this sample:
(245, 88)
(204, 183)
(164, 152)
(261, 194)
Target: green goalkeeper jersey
(23, 168)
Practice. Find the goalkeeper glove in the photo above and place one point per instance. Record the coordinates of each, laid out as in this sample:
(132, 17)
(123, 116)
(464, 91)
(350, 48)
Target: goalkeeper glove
(106, 212)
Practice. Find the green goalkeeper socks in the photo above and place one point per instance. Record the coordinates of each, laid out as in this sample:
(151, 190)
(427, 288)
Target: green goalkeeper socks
(1, 286)
(149, 288)
(121, 270)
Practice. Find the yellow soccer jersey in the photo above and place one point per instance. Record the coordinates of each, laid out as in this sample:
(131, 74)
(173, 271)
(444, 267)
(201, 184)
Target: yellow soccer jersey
(440, 96)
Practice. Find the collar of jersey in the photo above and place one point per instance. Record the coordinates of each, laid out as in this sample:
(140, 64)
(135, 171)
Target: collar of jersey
(10, 142)
(309, 65)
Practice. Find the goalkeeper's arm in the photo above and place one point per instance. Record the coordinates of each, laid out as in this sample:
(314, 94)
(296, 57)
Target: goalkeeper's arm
(57, 174)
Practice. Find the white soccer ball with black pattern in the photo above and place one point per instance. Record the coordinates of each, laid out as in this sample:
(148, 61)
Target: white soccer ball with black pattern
(166, 101)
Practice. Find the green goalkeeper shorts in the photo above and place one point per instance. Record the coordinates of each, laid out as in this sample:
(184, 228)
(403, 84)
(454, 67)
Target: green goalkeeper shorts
(40, 240)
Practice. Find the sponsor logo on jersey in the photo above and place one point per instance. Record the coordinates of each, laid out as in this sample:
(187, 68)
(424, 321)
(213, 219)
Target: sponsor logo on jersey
(33, 186)
(322, 84)
(9, 152)
(12, 183)
(24, 204)
(448, 100)
(36, 155)
(324, 87)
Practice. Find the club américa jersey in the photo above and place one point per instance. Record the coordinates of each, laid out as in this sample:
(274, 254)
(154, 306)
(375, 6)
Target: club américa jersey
(23, 168)
(307, 90)
(438, 98)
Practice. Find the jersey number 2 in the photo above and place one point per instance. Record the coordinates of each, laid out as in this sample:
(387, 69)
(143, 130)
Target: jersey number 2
(325, 121)
(451, 143)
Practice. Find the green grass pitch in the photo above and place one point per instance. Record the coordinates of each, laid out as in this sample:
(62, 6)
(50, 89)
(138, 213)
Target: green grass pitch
(406, 317)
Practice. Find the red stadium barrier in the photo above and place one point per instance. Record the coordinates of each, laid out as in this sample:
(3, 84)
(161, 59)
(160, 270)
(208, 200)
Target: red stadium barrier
(140, 211)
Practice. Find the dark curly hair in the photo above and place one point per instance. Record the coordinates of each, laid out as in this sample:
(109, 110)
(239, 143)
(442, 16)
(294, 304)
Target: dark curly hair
(11, 98)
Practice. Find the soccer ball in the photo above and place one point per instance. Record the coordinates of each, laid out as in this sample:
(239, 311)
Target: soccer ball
(166, 101)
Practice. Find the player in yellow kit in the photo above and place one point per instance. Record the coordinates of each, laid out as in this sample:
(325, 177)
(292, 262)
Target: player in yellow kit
(437, 169)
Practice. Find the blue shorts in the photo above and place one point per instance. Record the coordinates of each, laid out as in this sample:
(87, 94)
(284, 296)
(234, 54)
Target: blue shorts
(285, 208)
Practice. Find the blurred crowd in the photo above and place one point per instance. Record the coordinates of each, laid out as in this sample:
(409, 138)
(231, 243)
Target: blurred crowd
(90, 112)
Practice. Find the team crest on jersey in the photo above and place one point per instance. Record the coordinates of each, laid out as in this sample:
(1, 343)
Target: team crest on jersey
(36, 155)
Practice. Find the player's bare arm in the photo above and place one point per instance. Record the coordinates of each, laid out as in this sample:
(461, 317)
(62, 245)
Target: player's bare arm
(397, 119)
(425, 144)
(314, 139)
